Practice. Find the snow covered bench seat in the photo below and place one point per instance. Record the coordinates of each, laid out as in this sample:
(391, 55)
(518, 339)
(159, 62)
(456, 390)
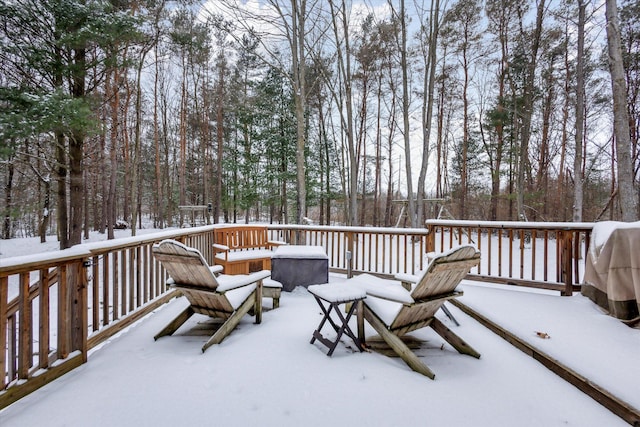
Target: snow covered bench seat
(243, 249)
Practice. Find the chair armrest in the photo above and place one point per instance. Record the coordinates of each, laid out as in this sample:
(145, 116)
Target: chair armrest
(393, 296)
(276, 243)
(227, 282)
(381, 288)
(441, 297)
(216, 269)
(220, 248)
(407, 280)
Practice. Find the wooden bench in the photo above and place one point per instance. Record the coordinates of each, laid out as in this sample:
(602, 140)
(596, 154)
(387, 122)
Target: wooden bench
(243, 249)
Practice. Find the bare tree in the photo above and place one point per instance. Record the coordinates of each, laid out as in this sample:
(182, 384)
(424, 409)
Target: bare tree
(628, 197)
(339, 20)
(283, 21)
(465, 18)
(577, 163)
(500, 14)
(429, 55)
(528, 98)
(401, 17)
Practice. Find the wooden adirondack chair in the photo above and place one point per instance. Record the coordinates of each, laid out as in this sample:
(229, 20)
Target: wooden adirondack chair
(225, 297)
(393, 311)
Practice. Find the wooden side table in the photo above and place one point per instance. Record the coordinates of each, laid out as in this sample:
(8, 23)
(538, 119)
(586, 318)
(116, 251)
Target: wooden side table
(329, 298)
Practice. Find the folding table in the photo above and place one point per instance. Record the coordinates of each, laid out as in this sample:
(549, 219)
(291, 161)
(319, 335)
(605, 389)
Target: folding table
(329, 298)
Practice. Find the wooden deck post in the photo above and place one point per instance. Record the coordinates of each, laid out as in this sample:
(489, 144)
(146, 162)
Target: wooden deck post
(431, 238)
(349, 252)
(25, 329)
(565, 238)
(4, 298)
(78, 305)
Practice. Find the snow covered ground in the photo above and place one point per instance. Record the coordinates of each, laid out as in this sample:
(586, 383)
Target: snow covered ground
(269, 374)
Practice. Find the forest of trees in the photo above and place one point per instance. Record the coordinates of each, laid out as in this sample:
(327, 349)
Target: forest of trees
(349, 112)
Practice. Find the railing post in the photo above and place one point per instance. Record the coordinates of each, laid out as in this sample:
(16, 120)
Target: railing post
(4, 299)
(349, 250)
(349, 260)
(431, 238)
(78, 281)
(25, 329)
(566, 261)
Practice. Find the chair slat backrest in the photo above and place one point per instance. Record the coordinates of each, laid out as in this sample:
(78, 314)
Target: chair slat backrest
(445, 272)
(185, 265)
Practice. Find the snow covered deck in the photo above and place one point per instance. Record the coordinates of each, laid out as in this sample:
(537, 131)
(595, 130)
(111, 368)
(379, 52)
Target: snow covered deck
(97, 293)
(270, 375)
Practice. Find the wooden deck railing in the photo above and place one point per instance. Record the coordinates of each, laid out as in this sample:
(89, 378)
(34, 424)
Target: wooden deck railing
(382, 251)
(56, 307)
(540, 255)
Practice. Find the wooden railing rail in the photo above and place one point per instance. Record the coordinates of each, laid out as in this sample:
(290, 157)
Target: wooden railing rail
(540, 255)
(56, 307)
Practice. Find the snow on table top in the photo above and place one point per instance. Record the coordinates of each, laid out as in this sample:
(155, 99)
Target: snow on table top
(297, 251)
(338, 292)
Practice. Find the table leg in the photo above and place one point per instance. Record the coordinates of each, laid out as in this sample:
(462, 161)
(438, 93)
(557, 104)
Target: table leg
(360, 322)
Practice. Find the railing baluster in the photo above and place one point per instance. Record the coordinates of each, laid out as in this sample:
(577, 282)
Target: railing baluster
(12, 348)
(133, 285)
(124, 277)
(95, 292)
(105, 289)
(4, 300)
(145, 265)
(63, 313)
(521, 247)
(115, 289)
(43, 290)
(25, 320)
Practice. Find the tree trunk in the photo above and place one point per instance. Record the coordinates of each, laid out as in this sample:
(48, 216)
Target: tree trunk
(299, 86)
(113, 157)
(219, 139)
(427, 107)
(46, 210)
(501, 15)
(562, 180)
(127, 164)
(61, 191)
(8, 190)
(465, 131)
(183, 138)
(76, 187)
(378, 172)
(405, 116)
(627, 196)
(577, 163)
(527, 112)
(135, 184)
